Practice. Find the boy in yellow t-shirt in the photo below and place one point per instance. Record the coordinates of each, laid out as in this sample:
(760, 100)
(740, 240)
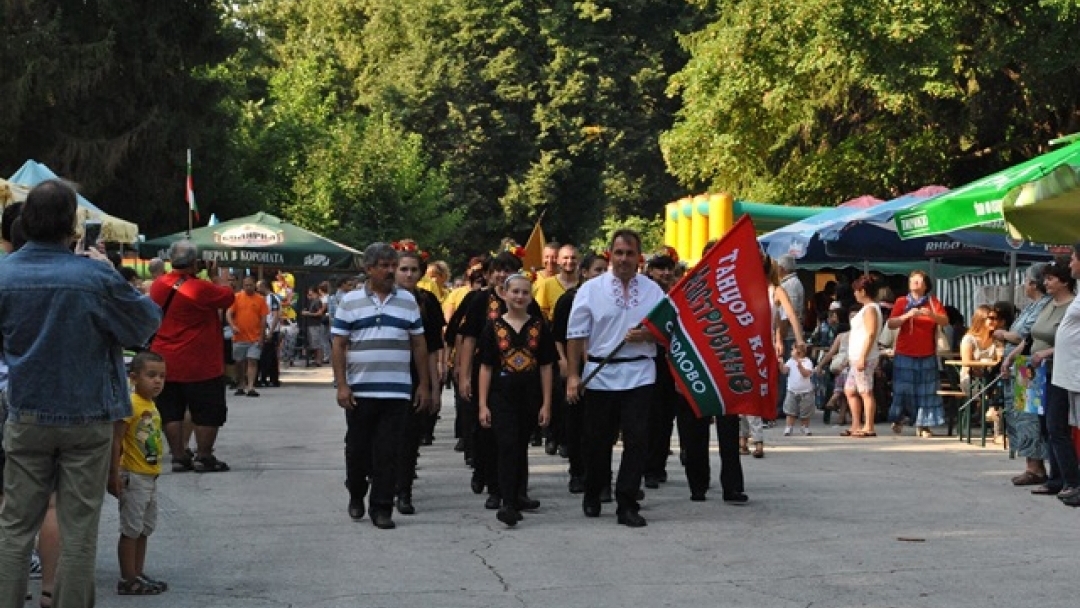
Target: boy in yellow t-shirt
(136, 464)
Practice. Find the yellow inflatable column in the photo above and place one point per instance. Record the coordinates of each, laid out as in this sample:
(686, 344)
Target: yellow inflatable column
(721, 214)
(699, 228)
(671, 225)
(686, 211)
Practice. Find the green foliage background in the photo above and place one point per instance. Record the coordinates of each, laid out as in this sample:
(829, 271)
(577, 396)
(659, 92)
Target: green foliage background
(457, 122)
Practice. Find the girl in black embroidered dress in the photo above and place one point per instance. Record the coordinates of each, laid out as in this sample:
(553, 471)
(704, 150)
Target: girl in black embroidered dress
(516, 354)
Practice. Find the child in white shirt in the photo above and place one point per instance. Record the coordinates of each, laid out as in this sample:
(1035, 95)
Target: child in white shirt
(800, 390)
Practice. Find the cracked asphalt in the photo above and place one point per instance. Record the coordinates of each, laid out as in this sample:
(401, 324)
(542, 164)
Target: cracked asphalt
(832, 522)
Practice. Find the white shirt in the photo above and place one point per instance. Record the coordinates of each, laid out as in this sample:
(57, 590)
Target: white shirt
(860, 335)
(1066, 372)
(795, 382)
(603, 312)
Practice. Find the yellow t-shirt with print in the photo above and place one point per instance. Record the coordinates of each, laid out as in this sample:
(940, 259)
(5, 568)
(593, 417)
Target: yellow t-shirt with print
(143, 443)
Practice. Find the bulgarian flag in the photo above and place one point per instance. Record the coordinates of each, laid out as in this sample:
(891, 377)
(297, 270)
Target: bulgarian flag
(716, 326)
(190, 189)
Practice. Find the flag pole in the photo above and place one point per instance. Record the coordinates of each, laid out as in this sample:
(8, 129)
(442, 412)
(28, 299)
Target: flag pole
(187, 193)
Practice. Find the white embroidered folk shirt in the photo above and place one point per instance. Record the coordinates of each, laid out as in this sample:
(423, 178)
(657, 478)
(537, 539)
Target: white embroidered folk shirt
(603, 312)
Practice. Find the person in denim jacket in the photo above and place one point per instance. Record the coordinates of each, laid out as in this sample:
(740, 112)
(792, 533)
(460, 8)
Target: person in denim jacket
(64, 320)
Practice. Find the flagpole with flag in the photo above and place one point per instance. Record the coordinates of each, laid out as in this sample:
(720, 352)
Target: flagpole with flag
(534, 247)
(189, 194)
(716, 326)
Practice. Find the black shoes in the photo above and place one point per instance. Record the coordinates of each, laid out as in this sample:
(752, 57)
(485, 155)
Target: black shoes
(508, 515)
(493, 501)
(405, 506)
(459, 446)
(652, 482)
(477, 486)
(631, 519)
(605, 495)
(382, 521)
(738, 498)
(697, 496)
(550, 448)
(356, 509)
(564, 452)
(577, 485)
(525, 503)
(591, 509)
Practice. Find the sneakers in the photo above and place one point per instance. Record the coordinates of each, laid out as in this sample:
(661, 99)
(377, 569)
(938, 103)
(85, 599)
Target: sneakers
(210, 464)
(787, 432)
(806, 431)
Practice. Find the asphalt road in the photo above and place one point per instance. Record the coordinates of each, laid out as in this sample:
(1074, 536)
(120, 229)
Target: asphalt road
(895, 521)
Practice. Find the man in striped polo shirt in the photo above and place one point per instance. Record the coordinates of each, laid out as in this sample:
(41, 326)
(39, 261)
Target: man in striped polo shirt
(376, 333)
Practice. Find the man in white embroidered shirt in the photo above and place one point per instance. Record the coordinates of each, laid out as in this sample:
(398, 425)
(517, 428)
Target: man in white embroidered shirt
(377, 332)
(606, 312)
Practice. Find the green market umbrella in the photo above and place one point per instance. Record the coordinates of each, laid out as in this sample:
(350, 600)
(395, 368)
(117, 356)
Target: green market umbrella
(979, 202)
(260, 240)
(1046, 210)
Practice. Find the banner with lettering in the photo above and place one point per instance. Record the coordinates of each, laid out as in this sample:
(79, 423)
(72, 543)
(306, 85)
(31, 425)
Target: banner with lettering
(716, 325)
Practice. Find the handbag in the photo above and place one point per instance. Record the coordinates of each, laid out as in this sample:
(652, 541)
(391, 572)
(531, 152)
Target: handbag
(943, 345)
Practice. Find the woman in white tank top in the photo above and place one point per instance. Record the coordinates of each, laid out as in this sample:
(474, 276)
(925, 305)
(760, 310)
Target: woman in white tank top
(863, 359)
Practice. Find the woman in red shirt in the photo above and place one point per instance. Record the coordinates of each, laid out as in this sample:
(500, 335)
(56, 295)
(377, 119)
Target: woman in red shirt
(916, 317)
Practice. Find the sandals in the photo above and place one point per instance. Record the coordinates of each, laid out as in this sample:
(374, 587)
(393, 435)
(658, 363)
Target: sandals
(864, 434)
(184, 463)
(897, 428)
(137, 586)
(1027, 478)
(759, 451)
(210, 464)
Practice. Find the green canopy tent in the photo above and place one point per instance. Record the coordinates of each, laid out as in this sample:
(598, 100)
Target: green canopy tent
(260, 240)
(980, 202)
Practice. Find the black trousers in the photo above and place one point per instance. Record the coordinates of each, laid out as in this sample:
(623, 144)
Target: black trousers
(573, 428)
(556, 429)
(661, 421)
(514, 410)
(268, 361)
(1060, 449)
(694, 440)
(605, 413)
(408, 449)
(371, 438)
(727, 435)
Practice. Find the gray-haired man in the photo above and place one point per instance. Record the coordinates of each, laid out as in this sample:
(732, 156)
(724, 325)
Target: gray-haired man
(377, 332)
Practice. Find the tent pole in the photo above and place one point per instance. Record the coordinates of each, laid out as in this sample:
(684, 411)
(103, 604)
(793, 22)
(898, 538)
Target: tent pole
(1012, 277)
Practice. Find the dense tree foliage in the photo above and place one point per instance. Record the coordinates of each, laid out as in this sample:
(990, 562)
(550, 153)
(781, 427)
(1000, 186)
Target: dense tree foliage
(457, 122)
(813, 102)
(106, 93)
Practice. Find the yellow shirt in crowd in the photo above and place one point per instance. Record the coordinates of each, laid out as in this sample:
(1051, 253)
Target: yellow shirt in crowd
(143, 443)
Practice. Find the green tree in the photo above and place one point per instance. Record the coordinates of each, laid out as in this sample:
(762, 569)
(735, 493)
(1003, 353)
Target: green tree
(104, 93)
(815, 102)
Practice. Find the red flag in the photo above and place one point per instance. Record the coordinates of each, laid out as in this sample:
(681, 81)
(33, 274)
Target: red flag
(716, 325)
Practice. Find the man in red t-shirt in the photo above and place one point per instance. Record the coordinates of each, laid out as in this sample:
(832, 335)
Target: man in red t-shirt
(190, 339)
(247, 317)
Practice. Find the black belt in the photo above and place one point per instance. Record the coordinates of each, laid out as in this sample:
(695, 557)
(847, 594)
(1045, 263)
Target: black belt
(593, 359)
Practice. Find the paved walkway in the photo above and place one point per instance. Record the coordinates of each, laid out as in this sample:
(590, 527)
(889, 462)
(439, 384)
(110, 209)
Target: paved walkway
(889, 522)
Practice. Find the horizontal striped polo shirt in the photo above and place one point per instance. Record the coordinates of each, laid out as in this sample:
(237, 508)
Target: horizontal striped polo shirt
(377, 362)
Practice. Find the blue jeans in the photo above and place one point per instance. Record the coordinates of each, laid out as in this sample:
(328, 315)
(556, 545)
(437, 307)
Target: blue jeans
(73, 461)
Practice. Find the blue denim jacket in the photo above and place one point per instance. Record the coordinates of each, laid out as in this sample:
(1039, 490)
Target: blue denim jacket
(64, 320)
